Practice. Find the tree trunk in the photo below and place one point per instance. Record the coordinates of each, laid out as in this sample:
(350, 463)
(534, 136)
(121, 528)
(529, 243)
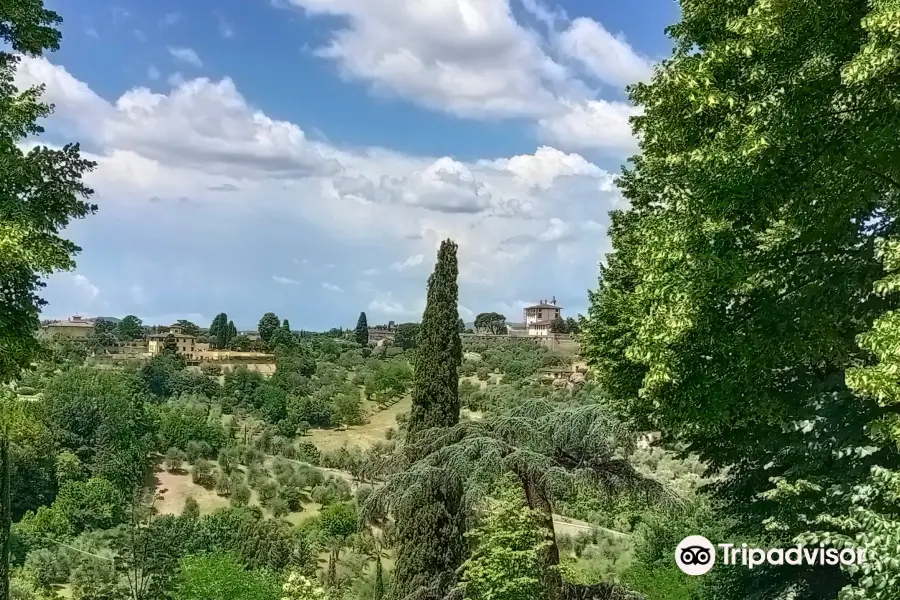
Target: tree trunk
(379, 579)
(332, 567)
(537, 500)
(5, 517)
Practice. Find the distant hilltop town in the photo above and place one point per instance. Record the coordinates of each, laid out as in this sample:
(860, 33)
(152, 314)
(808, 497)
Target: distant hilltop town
(542, 320)
(147, 345)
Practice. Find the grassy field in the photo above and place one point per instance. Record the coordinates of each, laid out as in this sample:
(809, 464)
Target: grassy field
(364, 436)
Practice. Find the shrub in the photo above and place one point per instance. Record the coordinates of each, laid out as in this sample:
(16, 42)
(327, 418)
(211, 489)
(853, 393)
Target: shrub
(307, 452)
(202, 474)
(240, 495)
(267, 490)
(211, 369)
(223, 482)
(279, 507)
(191, 509)
(173, 460)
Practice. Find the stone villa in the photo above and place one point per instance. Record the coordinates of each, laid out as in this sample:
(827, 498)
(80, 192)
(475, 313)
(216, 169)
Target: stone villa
(77, 327)
(539, 317)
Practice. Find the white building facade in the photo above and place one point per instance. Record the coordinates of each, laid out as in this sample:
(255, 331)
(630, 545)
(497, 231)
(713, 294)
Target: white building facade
(540, 316)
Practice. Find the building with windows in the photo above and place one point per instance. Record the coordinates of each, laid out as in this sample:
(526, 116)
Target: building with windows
(77, 327)
(187, 345)
(540, 316)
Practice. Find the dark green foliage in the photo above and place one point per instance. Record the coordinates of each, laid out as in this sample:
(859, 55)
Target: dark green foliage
(99, 415)
(492, 322)
(260, 543)
(388, 380)
(429, 515)
(729, 315)
(42, 190)
(241, 385)
(559, 325)
(339, 520)
(164, 376)
(294, 367)
(286, 325)
(130, 328)
(505, 563)
(170, 345)
(89, 505)
(406, 336)
(219, 332)
(268, 325)
(32, 466)
(5, 513)
(430, 527)
(378, 592)
(220, 576)
(361, 334)
(188, 328)
(191, 509)
(517, 359)
(180, 422)
(283, 340)
(439, 352)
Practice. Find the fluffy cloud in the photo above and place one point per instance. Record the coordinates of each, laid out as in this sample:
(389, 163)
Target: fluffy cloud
(461, 56)
(476, 60)
(208, 196)
(607, 57)
(595, 124)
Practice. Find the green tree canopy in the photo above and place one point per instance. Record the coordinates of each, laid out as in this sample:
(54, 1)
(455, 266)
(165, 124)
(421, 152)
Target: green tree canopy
(219, 576)
(430, 523)
(439, 352)
(42, 189)
(130, 328)
(490, 322)
(506, 561)
(188, 327)
(268, 324)
(559, 325)
(728, 313)
(218, 331)
(406, 336)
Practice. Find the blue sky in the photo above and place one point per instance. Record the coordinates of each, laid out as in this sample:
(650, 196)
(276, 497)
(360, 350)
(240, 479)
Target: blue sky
(307, 156)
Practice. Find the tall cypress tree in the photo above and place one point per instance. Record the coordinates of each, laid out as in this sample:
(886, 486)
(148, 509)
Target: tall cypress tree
(218, 331)
(231, 333)
(362, 330)
(430, 522)
(439, 354)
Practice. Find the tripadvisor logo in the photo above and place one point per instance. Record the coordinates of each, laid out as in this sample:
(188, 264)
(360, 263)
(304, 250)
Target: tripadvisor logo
(696, 555)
